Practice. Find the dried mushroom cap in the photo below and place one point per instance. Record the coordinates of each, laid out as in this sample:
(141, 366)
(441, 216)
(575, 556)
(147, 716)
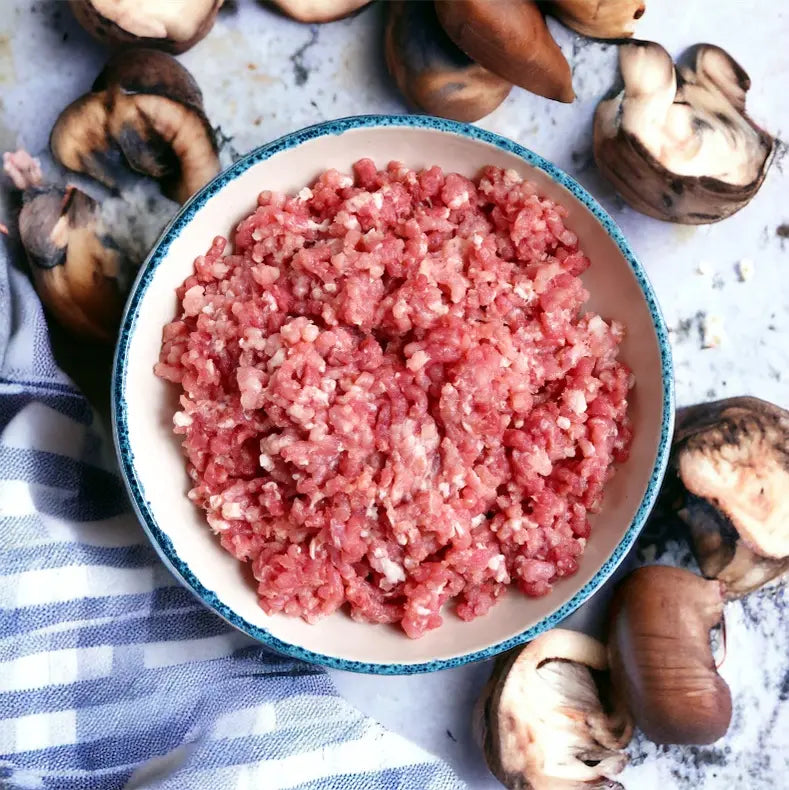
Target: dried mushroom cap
(171, 25)
(316, 11)
(541, 721)
(599, 18)
(511, 40)
(660, 657)
(732, 458)
(678, 145)
(145, 112)
(431, 72)
(75, 269)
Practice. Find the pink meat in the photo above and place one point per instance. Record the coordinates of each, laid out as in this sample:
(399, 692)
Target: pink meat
(392, 398)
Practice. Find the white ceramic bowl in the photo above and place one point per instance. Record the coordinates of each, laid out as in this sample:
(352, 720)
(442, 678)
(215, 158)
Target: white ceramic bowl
(143, 405)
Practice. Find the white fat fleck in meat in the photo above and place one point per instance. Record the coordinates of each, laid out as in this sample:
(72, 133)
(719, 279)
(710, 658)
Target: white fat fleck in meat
(575, 400)
(232, 510)
(315, 545)
(215, 501)
(217, 524)
(182, 420)
(477, 520)
(393, 572)
(313, 225)
(563, 422)
(269, 301)
(360, 200)
(330, 288)
(310, 333)
(422, 611)
(597, 326)
(305, 194)
(444, 490)
(277, 360)
(438, 307)
(511, 178)
(266, 462)
(344, 182)
(459, 200)
(587, 448)
(193, 300)
(316, 394)
(499, 568)
(418, 360)
(524, 291)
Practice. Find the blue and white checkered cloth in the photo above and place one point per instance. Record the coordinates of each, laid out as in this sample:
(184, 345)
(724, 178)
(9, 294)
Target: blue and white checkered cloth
(111, 674)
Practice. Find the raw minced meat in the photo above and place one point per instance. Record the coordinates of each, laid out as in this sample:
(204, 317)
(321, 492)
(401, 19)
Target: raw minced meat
(392, 398)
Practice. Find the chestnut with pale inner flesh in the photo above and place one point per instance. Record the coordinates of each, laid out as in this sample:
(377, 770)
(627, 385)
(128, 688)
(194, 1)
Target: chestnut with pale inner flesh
(317, 11)
(676, 143)
(542, 723)
(732, 459)
(171, 25)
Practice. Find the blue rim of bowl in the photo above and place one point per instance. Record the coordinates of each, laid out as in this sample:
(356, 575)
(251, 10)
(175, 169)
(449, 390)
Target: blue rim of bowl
(162, 542)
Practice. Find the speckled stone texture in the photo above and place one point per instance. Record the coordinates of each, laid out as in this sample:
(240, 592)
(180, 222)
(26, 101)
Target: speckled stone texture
(263, 75)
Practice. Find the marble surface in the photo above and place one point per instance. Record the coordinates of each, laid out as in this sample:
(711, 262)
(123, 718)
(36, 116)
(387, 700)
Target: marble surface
(263, 75)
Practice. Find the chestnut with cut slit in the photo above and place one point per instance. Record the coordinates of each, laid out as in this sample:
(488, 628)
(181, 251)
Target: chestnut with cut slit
(598, 18)
(431, 72)
(145, 112)
(512, 40)
(173, 26)
(732, 459)
(676, 143)
(659, 652)
(541, 721)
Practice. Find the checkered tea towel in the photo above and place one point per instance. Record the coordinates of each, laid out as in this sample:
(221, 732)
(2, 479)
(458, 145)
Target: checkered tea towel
(111, 674)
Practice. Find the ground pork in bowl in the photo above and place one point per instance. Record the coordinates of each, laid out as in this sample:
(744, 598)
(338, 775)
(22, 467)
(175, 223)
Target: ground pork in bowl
(392, 394)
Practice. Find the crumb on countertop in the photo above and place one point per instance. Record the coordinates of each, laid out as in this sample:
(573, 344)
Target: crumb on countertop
(745, 269)
(712, 331)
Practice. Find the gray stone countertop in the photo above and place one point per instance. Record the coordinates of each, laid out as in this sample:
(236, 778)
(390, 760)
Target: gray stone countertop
(263, 76)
